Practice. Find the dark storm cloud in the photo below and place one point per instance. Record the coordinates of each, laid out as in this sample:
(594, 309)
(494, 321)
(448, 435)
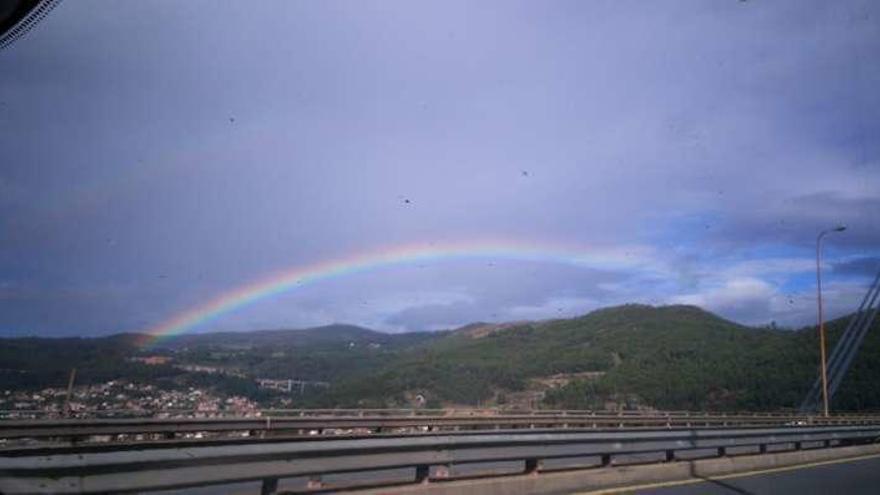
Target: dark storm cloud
(155, 155)
(510, 291)
(792, 220)
(866, 266)
(37, 310)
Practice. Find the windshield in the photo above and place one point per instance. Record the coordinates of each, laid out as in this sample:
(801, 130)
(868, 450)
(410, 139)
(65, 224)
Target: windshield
(226, 208)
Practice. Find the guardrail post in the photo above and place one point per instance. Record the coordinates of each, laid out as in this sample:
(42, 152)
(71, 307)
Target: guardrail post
(797, 446)
(605, 460)
(670, 455)
(423, 473)
(762, 449)
(443, 471)
(269, 486)
(533, 466)
(722, 451)
(315, 482)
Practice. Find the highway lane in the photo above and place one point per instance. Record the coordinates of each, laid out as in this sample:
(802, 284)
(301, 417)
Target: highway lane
(857, 477)
(850, 477)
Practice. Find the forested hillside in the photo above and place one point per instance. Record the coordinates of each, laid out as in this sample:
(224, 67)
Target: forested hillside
(670, 357)
(673, 357)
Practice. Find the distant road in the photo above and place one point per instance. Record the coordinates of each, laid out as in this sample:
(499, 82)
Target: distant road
(849, 477)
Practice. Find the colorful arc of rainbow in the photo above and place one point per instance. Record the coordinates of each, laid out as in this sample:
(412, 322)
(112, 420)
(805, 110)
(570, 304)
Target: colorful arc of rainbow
(286, 280)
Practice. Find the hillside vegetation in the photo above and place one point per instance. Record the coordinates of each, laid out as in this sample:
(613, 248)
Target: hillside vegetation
(671, 357)
(674, 357)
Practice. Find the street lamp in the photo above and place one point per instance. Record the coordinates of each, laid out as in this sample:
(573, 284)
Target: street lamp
(839, 228)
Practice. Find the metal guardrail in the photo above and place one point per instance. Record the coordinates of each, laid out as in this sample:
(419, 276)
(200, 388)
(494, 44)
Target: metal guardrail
(125, 429)
(430, 457)
(13, 414)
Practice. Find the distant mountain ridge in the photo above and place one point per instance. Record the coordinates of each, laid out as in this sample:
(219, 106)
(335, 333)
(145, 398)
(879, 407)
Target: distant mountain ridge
(480, 329)
(326, 333)
(669, 357)
(305, 336)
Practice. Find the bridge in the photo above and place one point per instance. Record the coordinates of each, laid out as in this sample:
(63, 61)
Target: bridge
(439, 451)
(415, 451)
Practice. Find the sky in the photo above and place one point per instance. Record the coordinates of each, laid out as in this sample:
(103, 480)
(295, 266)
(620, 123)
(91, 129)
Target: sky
(156, 155)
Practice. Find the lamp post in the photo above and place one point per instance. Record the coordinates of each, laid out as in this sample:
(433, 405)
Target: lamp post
(839, 228)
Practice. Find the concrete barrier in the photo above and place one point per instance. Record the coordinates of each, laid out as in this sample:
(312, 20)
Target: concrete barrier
(627, 476)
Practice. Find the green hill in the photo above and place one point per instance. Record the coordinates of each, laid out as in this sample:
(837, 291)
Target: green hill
(673, 357)
(317, 336)
(670, 357)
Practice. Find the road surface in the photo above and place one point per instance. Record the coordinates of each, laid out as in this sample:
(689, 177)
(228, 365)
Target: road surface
(849, 477)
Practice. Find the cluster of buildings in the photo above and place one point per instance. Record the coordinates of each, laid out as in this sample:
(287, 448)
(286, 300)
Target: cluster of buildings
(121, 398)
(190, 368)
(289, 385)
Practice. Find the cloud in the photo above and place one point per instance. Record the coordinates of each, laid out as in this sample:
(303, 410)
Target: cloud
(861, 266)
(439, 316)
(242, 141)
(741, 299)
(507, 291)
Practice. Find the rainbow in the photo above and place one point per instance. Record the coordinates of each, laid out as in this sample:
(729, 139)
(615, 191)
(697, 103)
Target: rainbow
(299, 276)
